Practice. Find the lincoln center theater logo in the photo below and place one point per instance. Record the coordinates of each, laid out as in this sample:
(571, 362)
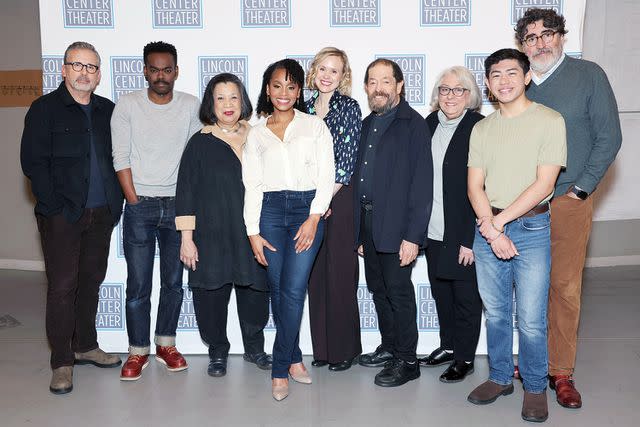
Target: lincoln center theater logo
(177, 14)
(211, 66)
(519, 7)
(355, 13)
(271, 324)
(445, 12)
(187, 319)
(305, 63)
(88, 13)
(126, 75)
(51, 73)
(475, 63)
(367, 308)
(413, 69)
(266, 13)
(427, 314)
(110, 315)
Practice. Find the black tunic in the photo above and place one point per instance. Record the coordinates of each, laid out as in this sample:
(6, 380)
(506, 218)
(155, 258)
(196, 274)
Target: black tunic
(210, 188)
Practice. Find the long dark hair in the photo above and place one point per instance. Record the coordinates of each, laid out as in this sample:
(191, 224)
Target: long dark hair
(294, 73)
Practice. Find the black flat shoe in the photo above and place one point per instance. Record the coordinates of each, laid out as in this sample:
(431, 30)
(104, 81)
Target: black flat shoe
(342, 366)
(319, 363)
(436, 358)
(376, 359)
(397, 373)
(261, 360)
(217, 367)
(456, 372)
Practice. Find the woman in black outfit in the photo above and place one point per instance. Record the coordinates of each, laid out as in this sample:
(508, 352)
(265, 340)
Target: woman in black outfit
(455, 100)
(209, 214)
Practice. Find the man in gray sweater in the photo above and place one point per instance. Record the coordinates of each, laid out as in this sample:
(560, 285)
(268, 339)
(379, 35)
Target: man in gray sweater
(150, 129)
(580, 91)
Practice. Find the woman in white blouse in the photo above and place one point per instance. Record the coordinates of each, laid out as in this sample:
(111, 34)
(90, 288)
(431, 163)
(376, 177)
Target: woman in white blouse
(288, 174)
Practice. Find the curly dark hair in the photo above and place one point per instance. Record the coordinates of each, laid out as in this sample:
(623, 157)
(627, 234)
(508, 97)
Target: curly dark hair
(294, 73)
(159, 47)
(550, 19)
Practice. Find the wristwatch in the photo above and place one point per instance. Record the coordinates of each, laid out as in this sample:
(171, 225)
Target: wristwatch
(580, 194)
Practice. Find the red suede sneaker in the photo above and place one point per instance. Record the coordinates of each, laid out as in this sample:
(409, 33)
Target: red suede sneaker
(171, 358)
(132, 368)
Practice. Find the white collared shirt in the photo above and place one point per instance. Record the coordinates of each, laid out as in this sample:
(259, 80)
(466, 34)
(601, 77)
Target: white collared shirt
(538, 80)
(303, 161)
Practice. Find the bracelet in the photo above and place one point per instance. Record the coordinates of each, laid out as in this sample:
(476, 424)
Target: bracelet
(496, 228)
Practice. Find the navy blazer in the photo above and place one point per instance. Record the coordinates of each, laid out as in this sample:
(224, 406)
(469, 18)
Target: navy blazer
(55, 154)
(459, 217)
(402, 181)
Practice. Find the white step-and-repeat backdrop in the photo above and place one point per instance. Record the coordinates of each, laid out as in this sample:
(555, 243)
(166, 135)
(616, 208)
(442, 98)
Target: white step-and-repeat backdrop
(243, 37)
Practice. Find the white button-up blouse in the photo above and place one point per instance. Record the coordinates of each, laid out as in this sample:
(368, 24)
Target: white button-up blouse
(303, 161)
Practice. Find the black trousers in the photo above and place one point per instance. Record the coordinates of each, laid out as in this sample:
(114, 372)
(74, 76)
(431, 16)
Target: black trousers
(75, 257)
(393, 295)
(333, 287)
(459, 308)
(211, 307)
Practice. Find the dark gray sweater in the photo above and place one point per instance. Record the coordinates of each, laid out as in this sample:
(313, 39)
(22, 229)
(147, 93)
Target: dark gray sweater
(580, 91)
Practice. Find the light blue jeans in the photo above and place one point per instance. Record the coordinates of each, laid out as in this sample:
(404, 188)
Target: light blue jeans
(529, 273)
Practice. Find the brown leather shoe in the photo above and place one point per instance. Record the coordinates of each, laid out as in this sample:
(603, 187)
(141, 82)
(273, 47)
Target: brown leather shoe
(171, 358)
(132, 368)
(534, 407)
(61, 380)
(566, 393)
(488, 392)
(97, 357)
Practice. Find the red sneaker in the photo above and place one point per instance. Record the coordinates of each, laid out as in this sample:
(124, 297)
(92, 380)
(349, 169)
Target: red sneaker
(171, 358)
(132, 368)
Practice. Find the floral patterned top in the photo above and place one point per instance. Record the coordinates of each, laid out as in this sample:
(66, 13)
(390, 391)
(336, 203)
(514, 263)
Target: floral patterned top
(344, 120)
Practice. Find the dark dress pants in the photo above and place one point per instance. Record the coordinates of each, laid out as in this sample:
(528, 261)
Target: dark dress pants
(459, 308)
(211, 307)
(75, 257)
(333, 287)
(393, 295)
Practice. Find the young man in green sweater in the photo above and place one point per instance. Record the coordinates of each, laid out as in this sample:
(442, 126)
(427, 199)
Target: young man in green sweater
(580, 91)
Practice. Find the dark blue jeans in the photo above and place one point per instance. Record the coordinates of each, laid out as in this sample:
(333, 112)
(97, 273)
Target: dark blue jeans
(283, 212)
(150, 219)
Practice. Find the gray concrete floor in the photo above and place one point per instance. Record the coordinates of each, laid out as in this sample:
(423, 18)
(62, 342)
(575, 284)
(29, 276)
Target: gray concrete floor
(607, 373)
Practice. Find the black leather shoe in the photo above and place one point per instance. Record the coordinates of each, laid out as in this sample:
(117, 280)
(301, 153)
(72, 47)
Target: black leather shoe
(376, 359)
(217, 367)
(342, 366)
(319, 363)
(261, 360)
(436, 358)
(397, 373)
(456, 372)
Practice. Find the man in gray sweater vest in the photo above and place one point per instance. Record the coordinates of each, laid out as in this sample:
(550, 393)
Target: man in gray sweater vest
(150, 129)
(580, 91)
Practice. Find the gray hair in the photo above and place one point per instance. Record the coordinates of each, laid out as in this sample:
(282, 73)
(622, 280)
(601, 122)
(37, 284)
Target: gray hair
(466, 80)
(80, 46)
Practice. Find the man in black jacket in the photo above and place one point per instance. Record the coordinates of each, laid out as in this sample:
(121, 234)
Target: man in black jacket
(393, 187)
(66, 153)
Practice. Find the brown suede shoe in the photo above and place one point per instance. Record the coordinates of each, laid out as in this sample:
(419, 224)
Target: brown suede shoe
(99, 358)
(534, 407)
(62, 380)
(566, 393)
(488, 392)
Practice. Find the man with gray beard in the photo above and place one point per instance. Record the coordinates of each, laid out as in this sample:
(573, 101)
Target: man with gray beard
(393, 191)
(580, 91)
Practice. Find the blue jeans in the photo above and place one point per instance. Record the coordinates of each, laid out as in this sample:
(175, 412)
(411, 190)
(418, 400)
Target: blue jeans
(529, 271)
(283, 212)
(150, 219)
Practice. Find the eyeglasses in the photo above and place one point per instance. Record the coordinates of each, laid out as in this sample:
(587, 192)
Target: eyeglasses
(546, 37)
(457, 91)
(78, 66)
